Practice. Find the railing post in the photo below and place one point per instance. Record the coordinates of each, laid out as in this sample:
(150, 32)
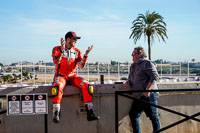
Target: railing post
(116, 112)
(102, 79)
(46, 123)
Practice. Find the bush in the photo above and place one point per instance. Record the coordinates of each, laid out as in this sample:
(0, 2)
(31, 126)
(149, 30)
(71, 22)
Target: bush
(124, 78)
(7, 78)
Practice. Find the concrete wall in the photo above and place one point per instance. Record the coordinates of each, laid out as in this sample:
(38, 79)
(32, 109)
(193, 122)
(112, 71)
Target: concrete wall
(72, 121)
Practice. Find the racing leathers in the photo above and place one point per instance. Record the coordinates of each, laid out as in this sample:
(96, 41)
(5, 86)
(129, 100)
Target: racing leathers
(66, 63)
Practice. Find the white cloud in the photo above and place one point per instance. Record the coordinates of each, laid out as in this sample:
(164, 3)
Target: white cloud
(75, 10)
(108, 38)
(114, 17)
(46, 27)
(109, 17)
(87, 29)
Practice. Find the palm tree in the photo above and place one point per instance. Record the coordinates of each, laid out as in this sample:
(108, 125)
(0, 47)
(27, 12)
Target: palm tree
(151, 25)
(14, 77)
(193, 60)
(25, 74)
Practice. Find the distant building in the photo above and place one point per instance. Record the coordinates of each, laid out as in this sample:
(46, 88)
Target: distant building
(195, 65)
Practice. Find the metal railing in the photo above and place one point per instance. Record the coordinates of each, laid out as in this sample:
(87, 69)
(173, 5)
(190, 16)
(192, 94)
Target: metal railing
(126, 94)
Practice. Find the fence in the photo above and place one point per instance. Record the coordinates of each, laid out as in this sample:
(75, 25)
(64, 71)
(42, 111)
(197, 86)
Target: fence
(92, 72)
(125, 94)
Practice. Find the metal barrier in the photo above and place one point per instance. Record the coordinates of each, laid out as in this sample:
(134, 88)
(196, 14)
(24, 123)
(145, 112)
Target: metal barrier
(125, 94)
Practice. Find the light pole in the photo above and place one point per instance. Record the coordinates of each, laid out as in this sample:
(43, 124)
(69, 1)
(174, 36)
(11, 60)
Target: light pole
(171, 70)
(180, 68)
(21, 71)
(118, 72)
(188, 69)
(108, 71)
(88, 72)
(98, 72)
(161, 68)
(45, 73)
(34, 73)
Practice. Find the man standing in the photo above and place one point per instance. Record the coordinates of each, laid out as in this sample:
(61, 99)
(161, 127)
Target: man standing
(143, 76)
(67, 57)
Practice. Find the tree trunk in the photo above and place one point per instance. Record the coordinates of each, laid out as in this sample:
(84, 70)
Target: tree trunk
(149, 47)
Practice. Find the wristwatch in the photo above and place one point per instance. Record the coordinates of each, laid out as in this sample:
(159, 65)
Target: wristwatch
(85, 56)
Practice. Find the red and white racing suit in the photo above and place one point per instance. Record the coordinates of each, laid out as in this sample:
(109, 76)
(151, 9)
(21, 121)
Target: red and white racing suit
(66, 64)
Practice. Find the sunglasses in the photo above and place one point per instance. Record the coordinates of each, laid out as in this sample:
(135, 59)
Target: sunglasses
(73, 39)
(134, 54)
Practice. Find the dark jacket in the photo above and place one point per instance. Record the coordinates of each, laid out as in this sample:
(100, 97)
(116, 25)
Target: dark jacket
(141, 74)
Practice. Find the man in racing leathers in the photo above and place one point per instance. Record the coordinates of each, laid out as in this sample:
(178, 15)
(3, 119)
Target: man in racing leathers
(67, 57)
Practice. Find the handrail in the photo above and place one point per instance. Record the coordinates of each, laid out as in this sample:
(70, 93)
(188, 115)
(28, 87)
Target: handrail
(124, 94)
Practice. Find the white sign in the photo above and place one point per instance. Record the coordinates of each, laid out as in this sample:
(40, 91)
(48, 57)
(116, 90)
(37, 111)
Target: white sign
(40, 103)
(27, 104)
(13, 107)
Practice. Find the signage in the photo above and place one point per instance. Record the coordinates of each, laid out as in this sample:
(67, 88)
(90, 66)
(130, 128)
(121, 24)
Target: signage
(40, 103)
(13, 107)
(27, 104)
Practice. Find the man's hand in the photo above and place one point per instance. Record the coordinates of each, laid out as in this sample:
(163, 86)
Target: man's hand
(127, 86)
(146, 94)
(149, 86)
(62, 41)
(88, 50)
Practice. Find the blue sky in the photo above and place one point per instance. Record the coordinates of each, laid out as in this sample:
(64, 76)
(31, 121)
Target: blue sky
(29, 29)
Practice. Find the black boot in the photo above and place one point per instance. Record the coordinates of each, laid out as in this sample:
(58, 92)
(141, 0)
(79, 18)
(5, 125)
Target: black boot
(56, 117)
(90, 114)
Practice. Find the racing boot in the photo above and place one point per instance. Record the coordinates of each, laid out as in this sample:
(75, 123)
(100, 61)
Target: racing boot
(56, 113)
(90, 113)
